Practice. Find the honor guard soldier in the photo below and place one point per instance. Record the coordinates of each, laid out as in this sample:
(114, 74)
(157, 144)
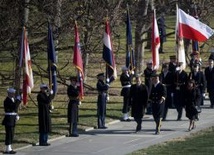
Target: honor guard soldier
(102, 89)
(44, 98)
(180, 81)
(166, 78)
(162, 32)
(73, 107)
(157, 97)
(172, 64)
(209, 75)
(139, 100)
(11, 104)
(125, 79)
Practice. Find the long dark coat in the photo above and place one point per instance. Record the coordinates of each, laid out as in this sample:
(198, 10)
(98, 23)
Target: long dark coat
(209, 75)
(139, 100)
(73, 108)
(9, 107)
(192, 98)
(44, 112)
(156, 94)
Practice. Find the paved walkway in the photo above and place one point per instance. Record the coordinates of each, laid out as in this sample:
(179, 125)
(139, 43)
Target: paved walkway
(120, 137)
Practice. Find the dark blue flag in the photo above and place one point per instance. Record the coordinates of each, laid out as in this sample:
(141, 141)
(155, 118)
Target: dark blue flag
(52, 68)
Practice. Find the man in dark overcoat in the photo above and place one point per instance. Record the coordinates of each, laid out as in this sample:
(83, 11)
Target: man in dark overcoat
(44, 98)
(209, 75)
(102, 89)
(166, 78)
(126, 81)
(180, 82)
(148, 71)
(11, 104)
(139, 100)
(157, 97)
(73, 107)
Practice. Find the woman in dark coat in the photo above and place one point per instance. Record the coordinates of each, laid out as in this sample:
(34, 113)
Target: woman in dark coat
(44, 103)
(139, 100)
(192, 99)
(157, 97)
(73, 107)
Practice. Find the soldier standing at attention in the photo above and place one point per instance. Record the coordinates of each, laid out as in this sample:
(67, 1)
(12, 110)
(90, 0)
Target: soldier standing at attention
(102, 89)
(73, 107)
(157, 97)
(11, 105)
(125, 80)
(44, 98)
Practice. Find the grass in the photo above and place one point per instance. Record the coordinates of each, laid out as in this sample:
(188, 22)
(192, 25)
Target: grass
(197, 144)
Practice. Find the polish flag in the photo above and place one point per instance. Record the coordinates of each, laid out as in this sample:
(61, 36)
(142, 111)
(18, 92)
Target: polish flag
(155, 43)
(192, 28)
(181, 57)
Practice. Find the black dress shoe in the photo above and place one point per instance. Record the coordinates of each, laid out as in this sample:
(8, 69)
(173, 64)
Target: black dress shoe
(9, 152)
(102, 127)
(45, 144)
(74, 135)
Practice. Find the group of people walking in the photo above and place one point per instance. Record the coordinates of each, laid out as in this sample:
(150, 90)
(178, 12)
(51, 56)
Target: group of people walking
(173, 87)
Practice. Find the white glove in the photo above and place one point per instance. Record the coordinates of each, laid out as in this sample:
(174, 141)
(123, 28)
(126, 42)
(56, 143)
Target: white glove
(132, 72)
(204, 94)
(107, 80)
(19, 98)
(79, 103)
(51, 91)
(107, 98)
(17, 117)
(172, 94)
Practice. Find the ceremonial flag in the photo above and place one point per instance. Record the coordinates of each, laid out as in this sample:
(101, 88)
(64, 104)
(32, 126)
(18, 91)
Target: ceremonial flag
(52, 67)
(111, 72)
(155, 43)
(192, 28)
(180, 42)
(130, 58)
(25, 60)
(77, 61)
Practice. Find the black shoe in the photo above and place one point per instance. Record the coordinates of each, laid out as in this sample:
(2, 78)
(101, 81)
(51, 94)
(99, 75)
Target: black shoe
(9, 152)
(74, 135)
(179, 119)
(45, 144)
(102, 127)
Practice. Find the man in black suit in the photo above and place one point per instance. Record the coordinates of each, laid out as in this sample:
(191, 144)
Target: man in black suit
(209, 75)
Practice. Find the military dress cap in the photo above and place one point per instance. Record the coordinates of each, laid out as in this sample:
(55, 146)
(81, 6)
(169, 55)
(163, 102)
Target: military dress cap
(100, 74)
(211, 57)
(73, 78)
(150, 62)
(172, 56)
(11, 90)
(43, 86)
(124, 68)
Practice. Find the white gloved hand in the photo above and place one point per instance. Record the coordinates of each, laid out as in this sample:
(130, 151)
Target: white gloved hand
(19, 98)
(51, 91)
(107, 80)
(132, 72)
(204, 94)
(79, 103)
(172, 94)
(107, 98)
(17, 117)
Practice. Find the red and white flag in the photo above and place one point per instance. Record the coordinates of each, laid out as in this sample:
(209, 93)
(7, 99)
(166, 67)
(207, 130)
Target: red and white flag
(28, 82)
(155, 43)
(192, 28)
(181, 57)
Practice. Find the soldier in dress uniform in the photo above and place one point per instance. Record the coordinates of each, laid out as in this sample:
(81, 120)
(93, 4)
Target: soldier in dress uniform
(44, 98)
(125, 79)
(166, 78)
(11, 104)
(172, 64)
(200, 81)
(148, 82)
(73, 107)
(158, 96)
(139, 100)
(162, 32)
(180, 81)
(102, 89)
(209, 75)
